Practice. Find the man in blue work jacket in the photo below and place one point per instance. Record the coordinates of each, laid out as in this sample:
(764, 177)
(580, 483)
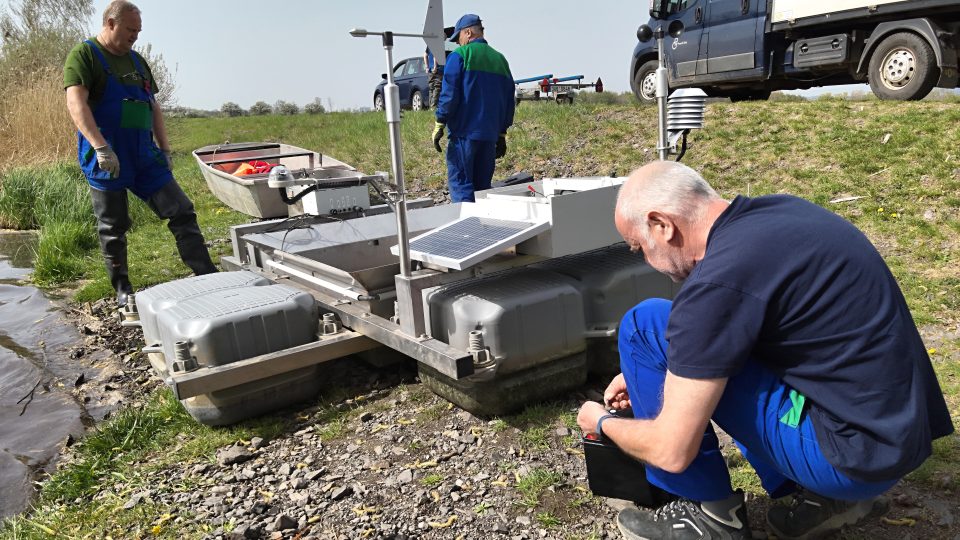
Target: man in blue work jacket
(110, 96)
(476, 104)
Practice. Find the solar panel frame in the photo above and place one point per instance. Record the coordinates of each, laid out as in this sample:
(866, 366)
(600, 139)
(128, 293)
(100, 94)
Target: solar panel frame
(466, 241)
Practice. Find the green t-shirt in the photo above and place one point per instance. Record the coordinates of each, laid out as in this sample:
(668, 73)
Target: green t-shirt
(84, 68)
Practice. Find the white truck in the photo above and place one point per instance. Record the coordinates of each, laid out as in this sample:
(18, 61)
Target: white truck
(744, 49)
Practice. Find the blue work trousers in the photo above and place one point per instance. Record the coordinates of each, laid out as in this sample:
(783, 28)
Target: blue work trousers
(470, 167)
(750, 410)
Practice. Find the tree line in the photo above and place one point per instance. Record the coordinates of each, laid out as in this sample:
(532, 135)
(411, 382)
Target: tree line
(281, 107)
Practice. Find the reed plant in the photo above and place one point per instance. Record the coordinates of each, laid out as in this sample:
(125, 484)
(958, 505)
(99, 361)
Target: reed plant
(35, 127)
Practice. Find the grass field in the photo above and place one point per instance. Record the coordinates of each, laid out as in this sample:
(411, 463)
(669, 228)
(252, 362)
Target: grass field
(900, 159)
(893, 169)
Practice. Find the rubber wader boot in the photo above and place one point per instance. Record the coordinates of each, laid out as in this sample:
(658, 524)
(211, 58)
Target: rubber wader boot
(117, 272)
(190, 245)
(113, 222)
(171, 203)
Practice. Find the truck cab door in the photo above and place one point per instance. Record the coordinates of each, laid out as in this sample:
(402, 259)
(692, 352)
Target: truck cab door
(730, 41)
(682, 52)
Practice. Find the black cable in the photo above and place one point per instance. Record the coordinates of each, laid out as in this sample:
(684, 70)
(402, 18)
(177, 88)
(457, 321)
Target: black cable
(298, 196)
(683, 145)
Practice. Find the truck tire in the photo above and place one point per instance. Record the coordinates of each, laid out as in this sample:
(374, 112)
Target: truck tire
(903, 67)
(645, 82)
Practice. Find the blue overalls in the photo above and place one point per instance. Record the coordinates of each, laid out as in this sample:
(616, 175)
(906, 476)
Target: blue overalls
(752, 410)
(124, 116)
(470, 166)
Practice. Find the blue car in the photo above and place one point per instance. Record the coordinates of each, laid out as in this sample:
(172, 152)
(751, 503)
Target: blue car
(411, 76)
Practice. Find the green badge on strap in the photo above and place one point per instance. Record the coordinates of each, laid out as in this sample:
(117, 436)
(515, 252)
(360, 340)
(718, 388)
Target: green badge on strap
(135, 114)
(792, 418)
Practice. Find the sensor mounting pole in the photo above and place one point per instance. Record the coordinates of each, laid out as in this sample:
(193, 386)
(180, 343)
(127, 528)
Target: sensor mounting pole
(663, 151)
(391, 100)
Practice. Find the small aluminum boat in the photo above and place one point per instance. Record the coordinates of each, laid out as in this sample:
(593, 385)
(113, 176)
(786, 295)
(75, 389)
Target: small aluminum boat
(249, 193)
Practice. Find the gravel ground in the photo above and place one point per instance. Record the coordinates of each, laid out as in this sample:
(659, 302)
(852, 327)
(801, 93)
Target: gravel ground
(396, 461)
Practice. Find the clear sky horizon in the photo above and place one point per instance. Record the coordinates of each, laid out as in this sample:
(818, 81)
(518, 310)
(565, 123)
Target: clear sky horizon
(246, 51)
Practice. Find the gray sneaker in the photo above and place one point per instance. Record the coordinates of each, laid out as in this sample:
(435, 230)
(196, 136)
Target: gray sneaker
(683, 519)
(810, 515)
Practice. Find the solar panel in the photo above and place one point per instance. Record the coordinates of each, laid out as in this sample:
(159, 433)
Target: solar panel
(469, 240)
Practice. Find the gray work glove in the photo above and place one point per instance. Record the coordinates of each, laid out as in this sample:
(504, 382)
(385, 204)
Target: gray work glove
(107, 160)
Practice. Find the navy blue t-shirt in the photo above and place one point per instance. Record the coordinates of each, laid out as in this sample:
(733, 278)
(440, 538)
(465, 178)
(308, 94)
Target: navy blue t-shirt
(805, 293)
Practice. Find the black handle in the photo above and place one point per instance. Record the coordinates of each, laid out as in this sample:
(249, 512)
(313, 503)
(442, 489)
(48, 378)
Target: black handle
(744, 6)
(698, 15)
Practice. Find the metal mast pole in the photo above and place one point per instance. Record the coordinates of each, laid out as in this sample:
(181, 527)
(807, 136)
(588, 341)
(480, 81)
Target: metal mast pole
(392, 107)
(661, 77)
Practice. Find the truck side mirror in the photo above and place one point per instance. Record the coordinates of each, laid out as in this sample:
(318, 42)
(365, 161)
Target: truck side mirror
(657, 10)
(675, 28)
(644, 33)
(383, 76)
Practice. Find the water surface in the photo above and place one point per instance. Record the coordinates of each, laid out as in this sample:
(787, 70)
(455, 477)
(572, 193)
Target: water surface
(37, 409)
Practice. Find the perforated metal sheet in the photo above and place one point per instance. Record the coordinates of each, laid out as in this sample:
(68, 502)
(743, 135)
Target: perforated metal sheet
(469, 240)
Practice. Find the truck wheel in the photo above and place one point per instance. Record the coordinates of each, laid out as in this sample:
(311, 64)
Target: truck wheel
(378, 102)
(645, 82)
(903, 67)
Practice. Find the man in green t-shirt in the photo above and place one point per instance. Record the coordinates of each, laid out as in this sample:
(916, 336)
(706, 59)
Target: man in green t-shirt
(123, 144)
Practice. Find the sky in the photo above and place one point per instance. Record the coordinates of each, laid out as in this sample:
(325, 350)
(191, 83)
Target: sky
(246, 51)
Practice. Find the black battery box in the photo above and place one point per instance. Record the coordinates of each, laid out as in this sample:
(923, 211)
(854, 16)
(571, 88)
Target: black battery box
(613, 473)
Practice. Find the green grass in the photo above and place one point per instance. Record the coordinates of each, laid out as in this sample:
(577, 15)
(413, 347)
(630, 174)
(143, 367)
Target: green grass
(498, 425)
(62, 252)
(55, 200)
(742, 475)
(414, 446)
(535, 483)
(482, 507)
(432, 480)
(537, 423)
(547, 520)
(331, 423)
(820, 150)
(432, 413)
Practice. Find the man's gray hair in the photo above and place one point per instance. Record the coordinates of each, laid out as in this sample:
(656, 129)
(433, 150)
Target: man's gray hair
(668, 187)
(476, 29)
(117, 9)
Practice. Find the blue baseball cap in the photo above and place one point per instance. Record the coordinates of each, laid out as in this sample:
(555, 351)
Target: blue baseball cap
(466, 21)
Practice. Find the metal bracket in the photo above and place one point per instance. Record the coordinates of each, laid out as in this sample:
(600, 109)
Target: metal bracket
(210, 379)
